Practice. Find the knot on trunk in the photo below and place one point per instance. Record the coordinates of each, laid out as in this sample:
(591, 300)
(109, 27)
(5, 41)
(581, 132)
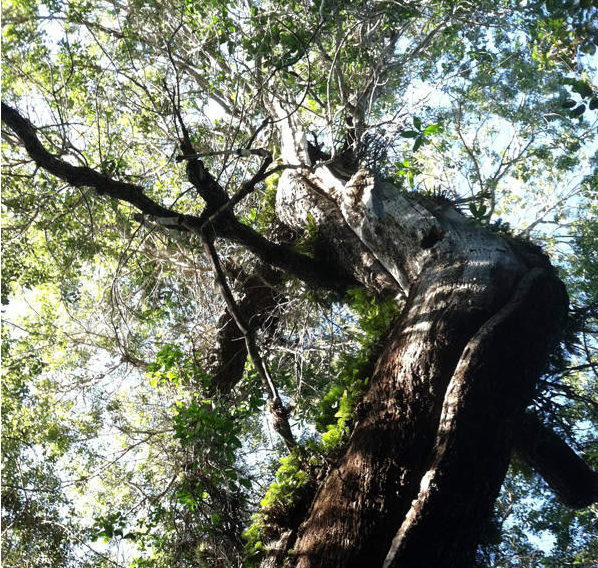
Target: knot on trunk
(280, 420)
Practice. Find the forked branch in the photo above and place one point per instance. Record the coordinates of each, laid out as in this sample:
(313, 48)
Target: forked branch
(227, 226)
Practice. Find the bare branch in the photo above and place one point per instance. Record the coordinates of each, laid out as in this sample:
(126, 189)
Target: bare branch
(276, 407)
(567, 474)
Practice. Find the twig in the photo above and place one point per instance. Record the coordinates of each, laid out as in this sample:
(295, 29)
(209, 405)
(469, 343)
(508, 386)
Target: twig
(242, 152)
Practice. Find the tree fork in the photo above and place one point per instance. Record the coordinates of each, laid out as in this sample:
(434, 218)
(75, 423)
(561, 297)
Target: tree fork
(466, 287)
(301, 266)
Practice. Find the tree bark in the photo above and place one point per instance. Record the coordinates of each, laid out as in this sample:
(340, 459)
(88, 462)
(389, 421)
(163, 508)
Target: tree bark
(574, 483)
(258, 305)
(435, 430)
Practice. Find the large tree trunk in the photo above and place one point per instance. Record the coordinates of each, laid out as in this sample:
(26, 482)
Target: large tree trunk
(434, 432)
(446, 401)
(433, 440)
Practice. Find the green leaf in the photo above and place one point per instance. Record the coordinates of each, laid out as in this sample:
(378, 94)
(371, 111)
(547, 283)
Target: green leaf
(432, 129)
(478, 211)
(582, 88)
(409, 134)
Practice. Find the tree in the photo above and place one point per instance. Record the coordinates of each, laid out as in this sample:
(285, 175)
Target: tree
(359, 151)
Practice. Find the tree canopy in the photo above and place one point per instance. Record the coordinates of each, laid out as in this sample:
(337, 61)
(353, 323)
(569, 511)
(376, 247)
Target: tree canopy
(183, 361)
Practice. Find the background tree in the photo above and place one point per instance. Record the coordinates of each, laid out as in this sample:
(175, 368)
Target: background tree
(337, 169)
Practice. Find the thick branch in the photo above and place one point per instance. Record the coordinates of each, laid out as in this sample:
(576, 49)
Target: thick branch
(207, 187)
(78, 176)
(567, 474)
(284, 257)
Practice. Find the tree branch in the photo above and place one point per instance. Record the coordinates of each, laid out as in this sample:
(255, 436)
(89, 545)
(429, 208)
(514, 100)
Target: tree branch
(227, 226)
(257, 303)
(277, 409)
(567, 474)
(78, 176)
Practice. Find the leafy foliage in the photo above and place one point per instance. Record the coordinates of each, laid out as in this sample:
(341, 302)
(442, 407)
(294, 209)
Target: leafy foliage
(116, 445)
(295, 479)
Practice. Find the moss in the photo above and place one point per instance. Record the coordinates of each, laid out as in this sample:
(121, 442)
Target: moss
(308, 242)
(283, 505)
(336, 409)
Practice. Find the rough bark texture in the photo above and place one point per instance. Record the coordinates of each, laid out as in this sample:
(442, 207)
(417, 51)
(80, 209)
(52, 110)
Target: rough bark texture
(482, 408)
(432, 448)
(434, 432)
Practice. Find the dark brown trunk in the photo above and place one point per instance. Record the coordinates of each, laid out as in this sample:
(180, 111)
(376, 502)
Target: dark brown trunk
(566, 473)
(434, 432)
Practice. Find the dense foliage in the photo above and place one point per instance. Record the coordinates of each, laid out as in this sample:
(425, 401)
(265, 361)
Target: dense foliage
(117, 447)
